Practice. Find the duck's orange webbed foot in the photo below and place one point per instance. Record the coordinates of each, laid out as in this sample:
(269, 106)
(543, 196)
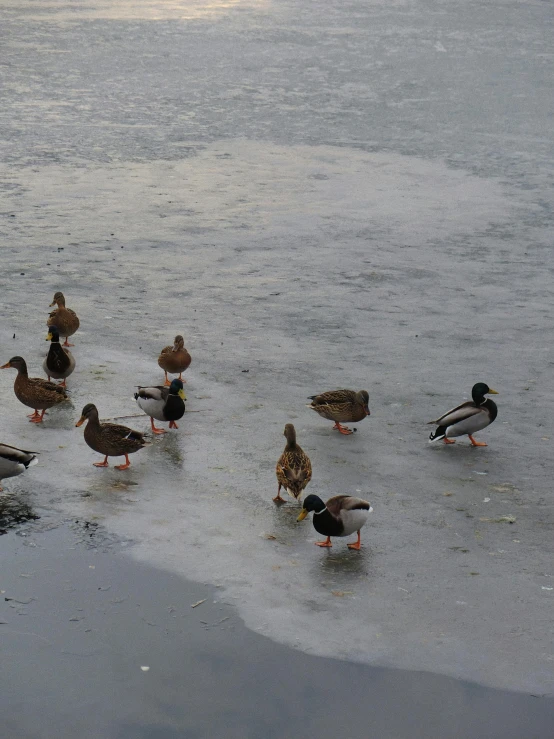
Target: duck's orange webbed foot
(356, 544)
(277, 499)
(155, 430)
(38, 418)
(326, 543)
(34, 414)
(166, 383)
(448, 441)
(124, 466)
(62, 383)
(102, 464)
(476, 443)
(173, 425)
(181, 377)
(66, 342)
(343, 429)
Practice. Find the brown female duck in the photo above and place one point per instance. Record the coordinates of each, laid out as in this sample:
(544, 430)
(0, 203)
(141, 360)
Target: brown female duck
(34, 391)
(174, 359)
(341, 405)
(64, 318)
(294, 469)
(110, 439)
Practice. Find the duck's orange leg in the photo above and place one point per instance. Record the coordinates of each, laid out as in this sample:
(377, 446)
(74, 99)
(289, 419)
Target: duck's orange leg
(181, 377)
(448, 441)
(166, 379)
(343, 429)
(154, 429)
(34, 414)
(62, 383)
(37, 418)
(326, 543)
(173, 425)
(356, 544)
(124, 466)
(278, 498)
(102, 464)
(66, 342)
(476, 443)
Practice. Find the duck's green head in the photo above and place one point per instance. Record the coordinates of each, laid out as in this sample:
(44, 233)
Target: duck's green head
(479, 390)
(311, 503)
(53, 334)
(176, 388)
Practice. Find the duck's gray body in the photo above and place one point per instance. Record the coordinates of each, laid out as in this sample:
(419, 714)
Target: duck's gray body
(14, 461)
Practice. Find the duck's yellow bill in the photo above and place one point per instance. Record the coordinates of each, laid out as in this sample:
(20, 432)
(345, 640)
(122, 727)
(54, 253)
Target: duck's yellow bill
(81, 421)
(493, 392)
(182, 395)
(303, 514)
(49, 337)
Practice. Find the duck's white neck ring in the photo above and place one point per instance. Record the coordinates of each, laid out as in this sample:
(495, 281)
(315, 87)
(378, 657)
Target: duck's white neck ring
(316, 513)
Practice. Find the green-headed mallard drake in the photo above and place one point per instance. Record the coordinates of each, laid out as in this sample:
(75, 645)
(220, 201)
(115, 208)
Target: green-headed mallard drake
(341, 405)
(64, 318)
(34, 391)
(294, 469)
(110, 439)
(162, 403)
(59, 362)
(342, 515)
(14, 461)
(468, 417)
(174, 359)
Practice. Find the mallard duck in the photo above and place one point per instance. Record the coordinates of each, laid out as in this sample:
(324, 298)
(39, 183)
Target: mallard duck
(341, 405)
(162, 403)
(174, 359)
(34, 391)
(294, 469)
(14, 461)
(59, 362)
(64, 318)
(110, 439)
(342, 515)
(468, 417)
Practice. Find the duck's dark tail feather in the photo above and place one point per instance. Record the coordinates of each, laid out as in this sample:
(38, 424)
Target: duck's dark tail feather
(437, 434)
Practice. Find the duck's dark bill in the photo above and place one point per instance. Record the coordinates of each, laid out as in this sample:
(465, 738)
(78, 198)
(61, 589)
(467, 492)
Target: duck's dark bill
(5, 366)
(303, 514)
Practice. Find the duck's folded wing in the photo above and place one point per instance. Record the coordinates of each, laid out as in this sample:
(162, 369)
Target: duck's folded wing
(333, 396)
(16, 455)
(116, 431)
(153, 393)
(345, 503)
(45, 385)
(455, 415)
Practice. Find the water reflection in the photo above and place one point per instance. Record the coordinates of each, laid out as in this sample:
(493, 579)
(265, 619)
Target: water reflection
(13, 512)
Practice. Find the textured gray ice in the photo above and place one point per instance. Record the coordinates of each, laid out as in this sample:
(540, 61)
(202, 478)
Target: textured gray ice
(326, 196)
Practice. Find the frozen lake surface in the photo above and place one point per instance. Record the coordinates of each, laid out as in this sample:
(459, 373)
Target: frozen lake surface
(325, 195)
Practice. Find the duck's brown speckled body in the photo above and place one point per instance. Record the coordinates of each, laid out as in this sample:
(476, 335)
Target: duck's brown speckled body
(174, 359)
(341, 406)
(294, 469)
(35, 392)
(110, 439)
(63, 318)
